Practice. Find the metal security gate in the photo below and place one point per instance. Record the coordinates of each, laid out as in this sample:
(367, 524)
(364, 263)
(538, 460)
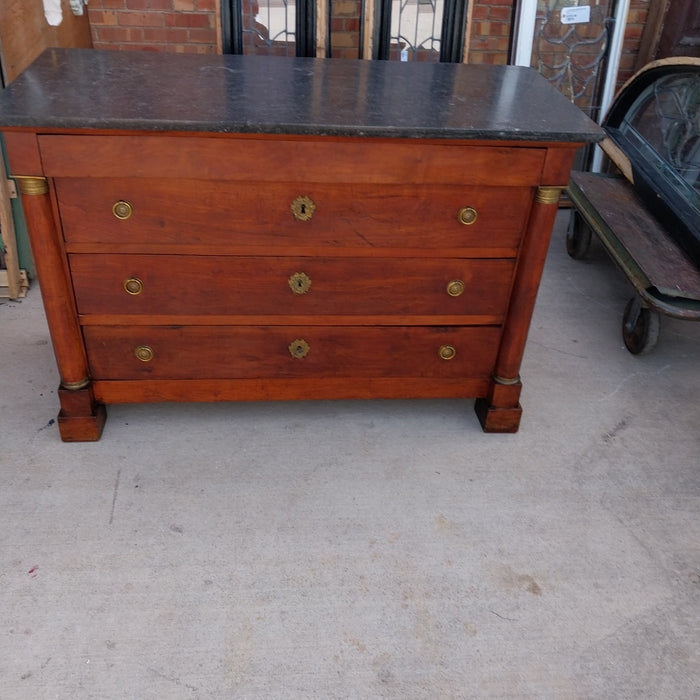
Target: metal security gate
(420, 30)
(275, 27)
(405, 30)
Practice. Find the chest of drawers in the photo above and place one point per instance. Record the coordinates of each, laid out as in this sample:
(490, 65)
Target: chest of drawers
(245, 228)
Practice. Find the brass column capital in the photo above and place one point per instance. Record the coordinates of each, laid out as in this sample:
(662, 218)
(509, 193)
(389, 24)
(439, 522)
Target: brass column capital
(30, 184)
(548, 195)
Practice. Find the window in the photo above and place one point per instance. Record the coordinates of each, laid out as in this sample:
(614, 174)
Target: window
(269, 27)
(421, 30)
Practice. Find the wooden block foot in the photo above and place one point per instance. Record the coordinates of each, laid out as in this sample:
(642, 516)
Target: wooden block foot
(81, 418)
(500, 410)
(498, 420)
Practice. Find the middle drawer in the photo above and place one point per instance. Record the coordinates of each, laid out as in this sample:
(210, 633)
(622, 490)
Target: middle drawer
(279, 286)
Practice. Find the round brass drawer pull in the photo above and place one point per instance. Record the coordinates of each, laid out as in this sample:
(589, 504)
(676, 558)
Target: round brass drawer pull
(299, 348)
(133, 286)
(122, 210)
(303, 208)
(300, 283)
(455, 288)
(447, 352)
(144, 353)
(467, 216)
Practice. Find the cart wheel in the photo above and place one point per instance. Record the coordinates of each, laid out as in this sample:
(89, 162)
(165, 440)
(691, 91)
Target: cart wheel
(640, 327)
(578, 237)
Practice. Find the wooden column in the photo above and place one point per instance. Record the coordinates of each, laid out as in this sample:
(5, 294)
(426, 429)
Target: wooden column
(81, 417)
(500, 410)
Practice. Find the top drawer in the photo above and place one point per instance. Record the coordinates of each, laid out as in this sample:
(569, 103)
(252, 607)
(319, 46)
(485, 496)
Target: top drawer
(260, 215)
(281, 159)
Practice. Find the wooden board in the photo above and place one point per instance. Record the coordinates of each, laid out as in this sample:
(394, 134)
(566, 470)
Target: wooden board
(638, 234)
(25, 33)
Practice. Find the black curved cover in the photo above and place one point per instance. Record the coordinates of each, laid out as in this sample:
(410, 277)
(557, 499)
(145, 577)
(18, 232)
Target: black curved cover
(655, 121)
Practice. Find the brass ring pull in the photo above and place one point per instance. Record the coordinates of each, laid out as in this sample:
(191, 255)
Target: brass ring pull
(299, 348)
(467, 216)
(299, 283)
(122, 210)
(447, 352)
(133, 286)
(303, 208)
(144, 353)
(455, 288)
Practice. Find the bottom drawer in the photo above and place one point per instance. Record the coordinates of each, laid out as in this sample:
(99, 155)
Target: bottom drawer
(223, 352)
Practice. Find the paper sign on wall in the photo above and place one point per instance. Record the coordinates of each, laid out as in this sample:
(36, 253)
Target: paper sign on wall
(576, 15)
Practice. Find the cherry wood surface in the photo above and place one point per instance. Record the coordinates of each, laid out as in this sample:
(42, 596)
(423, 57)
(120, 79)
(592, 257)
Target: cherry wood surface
(146, 390)
(281, 159)
(175, 212)
(211, 285)
(221, 352)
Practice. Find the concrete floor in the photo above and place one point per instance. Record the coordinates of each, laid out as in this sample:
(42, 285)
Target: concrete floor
(383, 549)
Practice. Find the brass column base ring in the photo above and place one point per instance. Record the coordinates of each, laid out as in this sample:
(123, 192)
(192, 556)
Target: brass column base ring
(75, 386)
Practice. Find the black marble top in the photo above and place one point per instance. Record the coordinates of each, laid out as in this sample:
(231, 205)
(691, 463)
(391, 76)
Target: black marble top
(87, 88)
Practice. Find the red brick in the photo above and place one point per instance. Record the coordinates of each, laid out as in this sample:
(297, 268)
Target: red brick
(140, 19)
(201, 36)
(164, 35)
(120, 34)
(103, 17)
(500, 14)
(187, 19)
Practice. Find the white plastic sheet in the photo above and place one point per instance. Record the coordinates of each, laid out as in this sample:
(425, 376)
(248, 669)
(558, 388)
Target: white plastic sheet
(53, 12)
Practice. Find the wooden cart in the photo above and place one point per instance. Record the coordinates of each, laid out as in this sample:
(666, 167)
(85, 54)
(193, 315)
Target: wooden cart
(633, 214)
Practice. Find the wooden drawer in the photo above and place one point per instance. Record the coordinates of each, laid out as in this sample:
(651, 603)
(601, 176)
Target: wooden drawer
(245, 215)
(221, 352)
(268, 286)
(239, 158)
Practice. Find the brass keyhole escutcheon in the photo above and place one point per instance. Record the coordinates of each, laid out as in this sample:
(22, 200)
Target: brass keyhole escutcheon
(122, 210)
(300, 283)
(299, 348)
(466, 216)
(447, 352)
(144, 353)
(303, 208)
(133, 286)
(455, 288)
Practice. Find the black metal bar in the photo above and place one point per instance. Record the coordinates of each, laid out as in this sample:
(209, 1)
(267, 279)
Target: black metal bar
(232, 26)
(382, 30)
(305, 28)
(453, 28)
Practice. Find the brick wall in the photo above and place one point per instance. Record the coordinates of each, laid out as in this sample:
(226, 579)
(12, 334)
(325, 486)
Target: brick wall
(180, 26)
(345, 28)
(490, 31)
(636, 19)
